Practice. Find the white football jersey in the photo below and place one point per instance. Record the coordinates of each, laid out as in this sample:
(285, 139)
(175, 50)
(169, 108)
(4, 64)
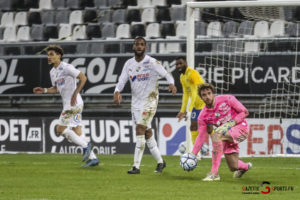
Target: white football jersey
(64, 78)
(143, 77)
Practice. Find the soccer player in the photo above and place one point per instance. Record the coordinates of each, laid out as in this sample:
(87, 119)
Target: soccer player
(63, 77)
(228, 115)
(143, 73)
(190, 79)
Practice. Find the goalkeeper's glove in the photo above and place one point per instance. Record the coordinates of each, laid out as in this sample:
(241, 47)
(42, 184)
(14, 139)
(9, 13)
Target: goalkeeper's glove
(226, 127)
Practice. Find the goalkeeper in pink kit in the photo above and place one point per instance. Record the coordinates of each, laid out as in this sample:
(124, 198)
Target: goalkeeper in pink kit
(227, 116)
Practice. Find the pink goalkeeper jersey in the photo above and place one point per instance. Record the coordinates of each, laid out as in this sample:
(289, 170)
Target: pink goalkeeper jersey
(226, 108)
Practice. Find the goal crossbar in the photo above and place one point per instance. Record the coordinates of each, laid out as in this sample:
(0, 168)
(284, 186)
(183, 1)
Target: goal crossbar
(190, 48)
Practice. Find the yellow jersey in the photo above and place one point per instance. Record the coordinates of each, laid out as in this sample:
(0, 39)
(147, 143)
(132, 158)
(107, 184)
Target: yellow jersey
(190, 81)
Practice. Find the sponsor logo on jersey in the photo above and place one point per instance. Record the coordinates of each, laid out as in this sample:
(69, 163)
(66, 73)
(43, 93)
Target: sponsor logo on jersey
(132, 78)
(60, 82)
(143, 77)
(146, 62)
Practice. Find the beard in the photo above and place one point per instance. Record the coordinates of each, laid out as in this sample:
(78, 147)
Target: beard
(139, 54)
(182, 71)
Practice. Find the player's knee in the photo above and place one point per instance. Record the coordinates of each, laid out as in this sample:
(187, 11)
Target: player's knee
(148, 133)
(140, 142)
(140, 129)
(77, 130)
(60, 129)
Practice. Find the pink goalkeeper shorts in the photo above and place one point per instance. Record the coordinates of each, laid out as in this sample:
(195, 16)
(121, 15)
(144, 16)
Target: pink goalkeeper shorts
(239, 133)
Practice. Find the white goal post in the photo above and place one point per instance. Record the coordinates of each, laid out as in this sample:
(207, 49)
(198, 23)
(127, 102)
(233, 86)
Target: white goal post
(190, 43)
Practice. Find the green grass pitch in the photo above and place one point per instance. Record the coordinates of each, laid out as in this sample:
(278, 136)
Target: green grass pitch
(60, 177)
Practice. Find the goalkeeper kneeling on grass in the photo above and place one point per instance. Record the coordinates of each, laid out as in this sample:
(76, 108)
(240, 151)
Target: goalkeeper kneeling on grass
(228, 115)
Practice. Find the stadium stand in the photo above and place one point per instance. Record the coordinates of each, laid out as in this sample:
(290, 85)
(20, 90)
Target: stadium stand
(23, 34)
(105, 22)
(62, 16)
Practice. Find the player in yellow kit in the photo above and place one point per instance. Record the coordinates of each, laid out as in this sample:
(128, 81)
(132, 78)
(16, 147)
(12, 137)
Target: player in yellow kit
(190, 79)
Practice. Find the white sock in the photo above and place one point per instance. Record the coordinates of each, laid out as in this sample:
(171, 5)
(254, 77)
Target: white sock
(152, 145)
(139, 150)
(74, 138)
(92, 154)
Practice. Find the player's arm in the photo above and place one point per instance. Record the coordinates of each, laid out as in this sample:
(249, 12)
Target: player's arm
(184, 102)
(239, 108)
(196, 80)
(202, 133)
(120, 85)
(162, 72)
(40, 90)
(82, 80)
(242, 114)
(75, 73)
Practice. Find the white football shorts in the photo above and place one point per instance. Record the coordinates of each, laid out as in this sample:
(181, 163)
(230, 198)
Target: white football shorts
(71, 117)
(143, 117)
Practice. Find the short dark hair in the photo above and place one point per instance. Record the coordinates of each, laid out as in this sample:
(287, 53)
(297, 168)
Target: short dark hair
(181, 57)
(55, 48)
(138, 38)
(205, 86)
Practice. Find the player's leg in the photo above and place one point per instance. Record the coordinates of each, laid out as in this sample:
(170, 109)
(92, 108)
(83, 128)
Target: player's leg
(232, 160)
(146, 120)
(194, 128)
(216, 158)
(152, 145)
(71, 136)
(68, 120)
(140, 142)
(237, 166)
(231, 139)
(88, 154)
(194, 124)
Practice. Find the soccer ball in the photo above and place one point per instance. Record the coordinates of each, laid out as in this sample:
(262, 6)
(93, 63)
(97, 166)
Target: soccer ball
(188, 161)
(205, 149)
(182, 147)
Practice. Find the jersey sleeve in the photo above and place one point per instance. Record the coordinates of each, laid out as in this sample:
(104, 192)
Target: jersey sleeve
(196, 80)
(72, 71)
(202, 133)
(163, 72)
(122, 79)
(241, 110)
(185, 97)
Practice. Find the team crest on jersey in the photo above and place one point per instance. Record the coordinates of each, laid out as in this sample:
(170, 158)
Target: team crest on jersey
(146, 62)
(60, 68)
(77, 117)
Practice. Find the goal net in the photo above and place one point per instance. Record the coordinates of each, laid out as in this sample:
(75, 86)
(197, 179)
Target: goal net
(250, 49)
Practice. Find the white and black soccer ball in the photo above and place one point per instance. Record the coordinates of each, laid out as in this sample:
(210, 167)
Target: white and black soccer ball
(188, 161)
(182, 147)
(205, 149)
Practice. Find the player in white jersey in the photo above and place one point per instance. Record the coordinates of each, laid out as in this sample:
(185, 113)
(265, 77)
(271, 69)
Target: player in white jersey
(143, 73)
(63, 78)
